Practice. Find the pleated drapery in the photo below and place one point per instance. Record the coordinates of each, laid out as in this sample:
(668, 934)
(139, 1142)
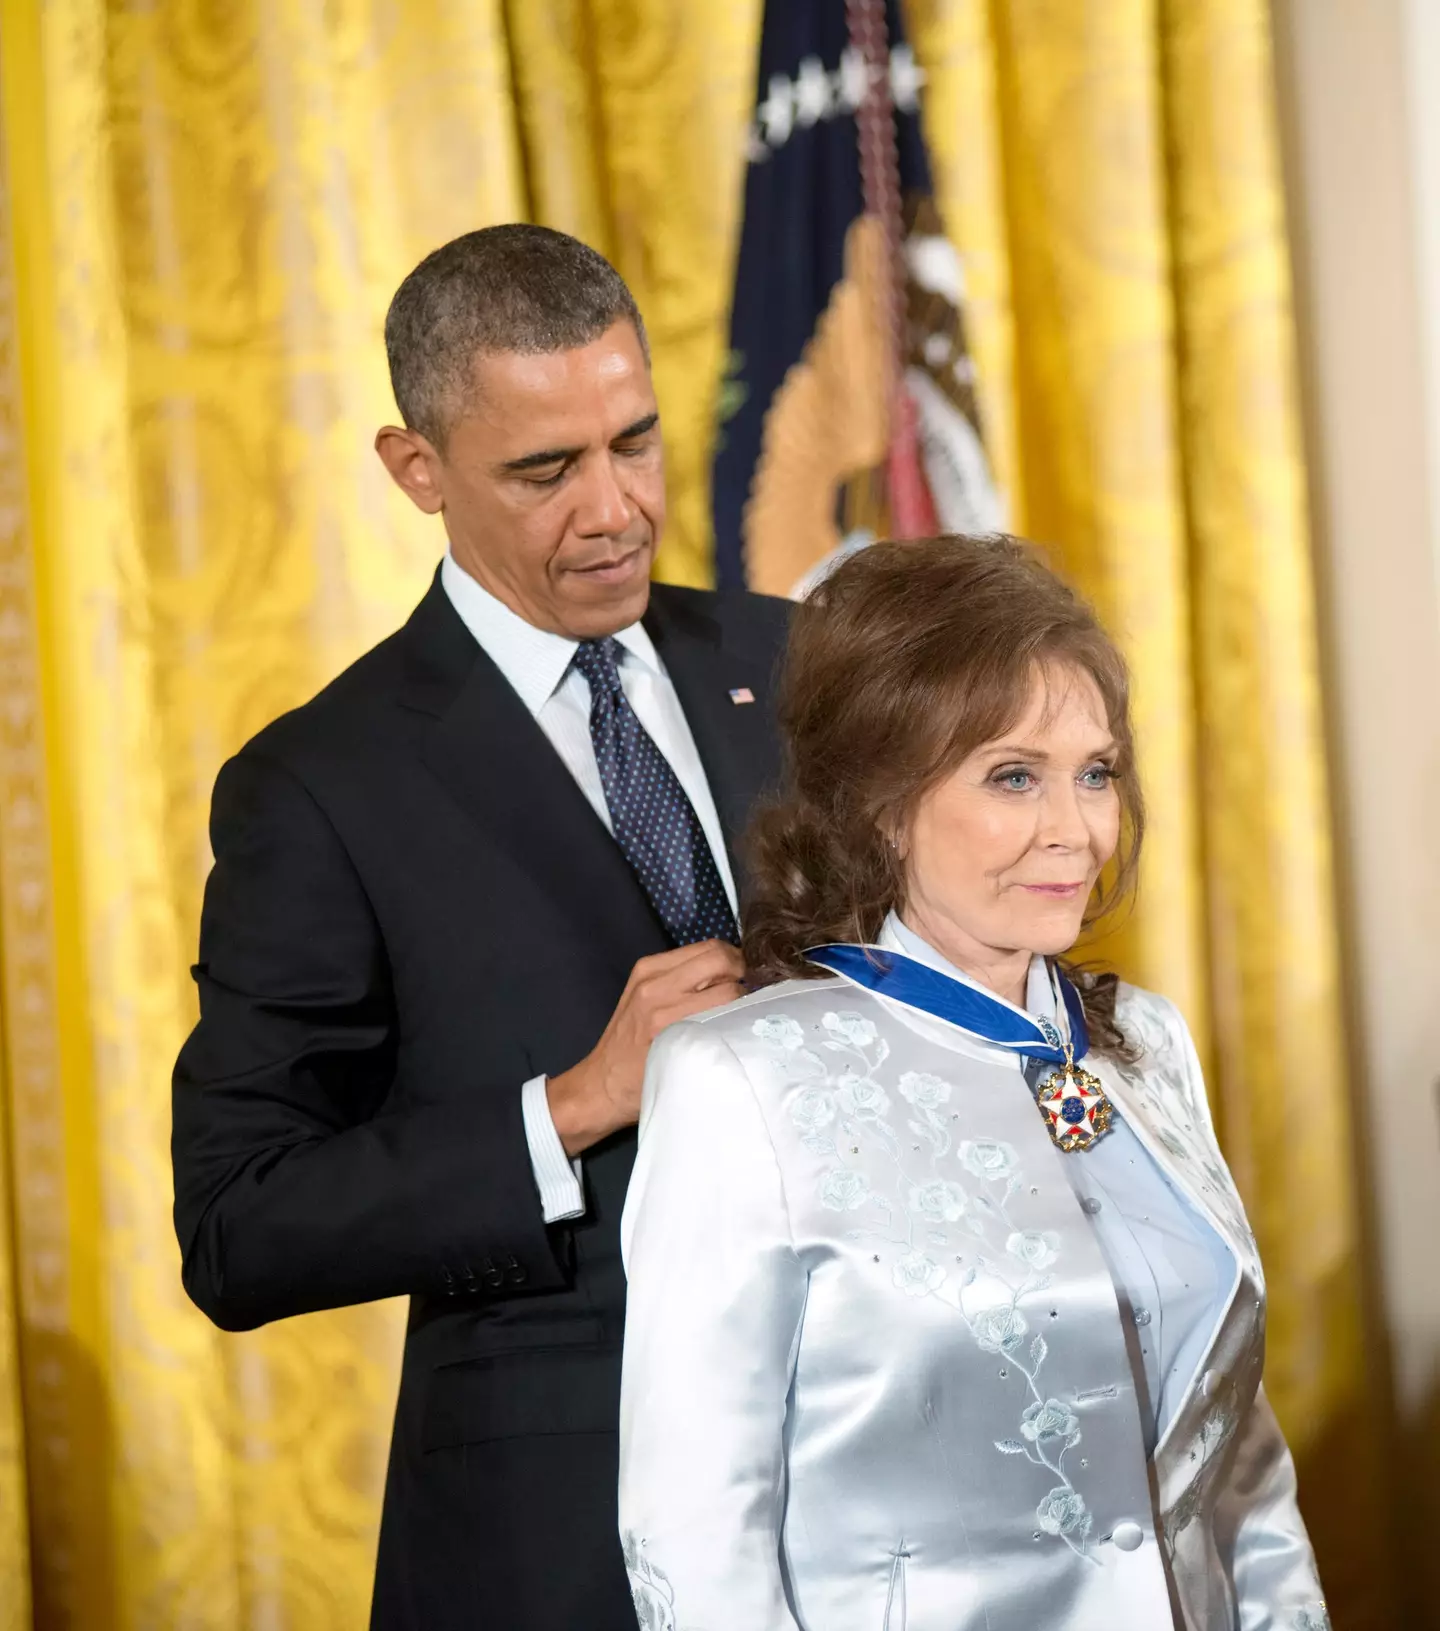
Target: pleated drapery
(203, 212)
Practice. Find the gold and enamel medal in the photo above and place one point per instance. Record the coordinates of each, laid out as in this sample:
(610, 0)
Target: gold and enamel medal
(1074, 1106)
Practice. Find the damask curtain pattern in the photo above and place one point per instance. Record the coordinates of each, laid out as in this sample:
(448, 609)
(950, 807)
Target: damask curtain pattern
(632, 115)
(226, 196)
(203, 211)
(17, 669)
(1117, 195)
(1267, 868)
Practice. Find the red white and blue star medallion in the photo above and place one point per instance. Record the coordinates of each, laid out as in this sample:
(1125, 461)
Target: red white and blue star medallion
(1075, 1108)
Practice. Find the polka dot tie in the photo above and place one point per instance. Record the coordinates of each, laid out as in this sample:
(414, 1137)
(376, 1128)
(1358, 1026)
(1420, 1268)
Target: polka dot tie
(655, 825)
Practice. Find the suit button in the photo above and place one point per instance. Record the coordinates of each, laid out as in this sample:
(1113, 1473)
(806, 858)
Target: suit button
(449, 1280)
(1128, 1536)
(516, 1274)
(1210, 1383)
(491, 1275)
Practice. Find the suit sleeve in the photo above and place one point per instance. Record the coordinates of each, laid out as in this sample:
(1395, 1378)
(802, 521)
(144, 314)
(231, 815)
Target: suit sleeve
(716, 1294)
(1261, 1534)
(298, 1185)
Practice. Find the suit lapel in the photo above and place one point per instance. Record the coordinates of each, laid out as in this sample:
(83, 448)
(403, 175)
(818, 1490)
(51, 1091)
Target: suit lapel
(490, 755)
(735, 740)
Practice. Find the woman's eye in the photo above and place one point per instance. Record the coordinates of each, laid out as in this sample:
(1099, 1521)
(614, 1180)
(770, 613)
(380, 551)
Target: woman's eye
(1013, 781)
(1097, 777)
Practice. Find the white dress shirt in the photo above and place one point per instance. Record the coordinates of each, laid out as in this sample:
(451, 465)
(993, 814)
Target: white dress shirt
(536, 663)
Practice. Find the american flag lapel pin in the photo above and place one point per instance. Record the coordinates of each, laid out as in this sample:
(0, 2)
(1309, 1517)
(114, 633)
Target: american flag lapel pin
(742, 693)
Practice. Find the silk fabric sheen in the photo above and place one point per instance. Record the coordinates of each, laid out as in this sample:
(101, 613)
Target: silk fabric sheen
(1172, 1273)
(875, 1372)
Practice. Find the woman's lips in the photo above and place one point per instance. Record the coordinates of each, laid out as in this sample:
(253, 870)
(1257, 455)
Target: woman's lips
(1054, 891)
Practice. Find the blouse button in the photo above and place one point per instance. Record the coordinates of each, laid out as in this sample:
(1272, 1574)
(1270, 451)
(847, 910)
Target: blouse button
(1142, 1316)
(1090, 1205)
(1128, 1536)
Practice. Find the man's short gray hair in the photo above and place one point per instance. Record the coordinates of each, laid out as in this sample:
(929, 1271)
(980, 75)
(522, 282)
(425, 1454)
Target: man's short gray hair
(504, 288)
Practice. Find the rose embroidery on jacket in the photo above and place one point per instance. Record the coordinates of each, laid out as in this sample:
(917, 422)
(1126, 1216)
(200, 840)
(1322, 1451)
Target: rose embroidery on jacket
(650, 1588)
(1050, 1420)
(861, 1097)
(845, 1113)
(999, 1330)
(843, 1190)
(987, 1159)
(813, 1109)
(780, 1031)
(1035, 1248)
(917, 1275)
(852, 1029)
(1062, 1512)
(939, 1202)
(924, 1091)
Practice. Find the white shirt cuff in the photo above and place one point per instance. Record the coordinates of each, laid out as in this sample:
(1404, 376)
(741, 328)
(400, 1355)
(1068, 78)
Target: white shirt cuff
(557, 1177)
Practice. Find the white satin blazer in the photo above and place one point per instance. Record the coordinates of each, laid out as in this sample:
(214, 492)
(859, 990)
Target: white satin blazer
(875, 1372)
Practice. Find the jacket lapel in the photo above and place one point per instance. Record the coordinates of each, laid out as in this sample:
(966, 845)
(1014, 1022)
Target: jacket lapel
(1181, 1154)
(1186, 1162)
(483, 746)
(735, 740)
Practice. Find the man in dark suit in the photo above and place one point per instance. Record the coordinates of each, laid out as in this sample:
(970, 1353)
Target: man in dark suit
(454, 898)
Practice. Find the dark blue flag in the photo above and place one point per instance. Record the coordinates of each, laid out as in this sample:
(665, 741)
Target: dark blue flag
(811, 291)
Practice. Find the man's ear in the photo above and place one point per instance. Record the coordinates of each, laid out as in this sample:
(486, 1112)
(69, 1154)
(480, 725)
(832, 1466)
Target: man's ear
(414, 466)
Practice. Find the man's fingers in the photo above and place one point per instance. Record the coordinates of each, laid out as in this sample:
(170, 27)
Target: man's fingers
(656, 979)
(724, 963)
(697, 1002)
(665, 962)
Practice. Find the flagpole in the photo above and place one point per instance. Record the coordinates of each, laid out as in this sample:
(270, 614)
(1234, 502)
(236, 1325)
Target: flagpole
(912, 509)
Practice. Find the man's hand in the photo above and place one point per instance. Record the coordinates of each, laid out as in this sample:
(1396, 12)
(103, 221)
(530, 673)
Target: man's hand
(602, 1093)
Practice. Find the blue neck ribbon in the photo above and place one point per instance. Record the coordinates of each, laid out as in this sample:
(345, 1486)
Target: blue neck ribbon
(902, 979)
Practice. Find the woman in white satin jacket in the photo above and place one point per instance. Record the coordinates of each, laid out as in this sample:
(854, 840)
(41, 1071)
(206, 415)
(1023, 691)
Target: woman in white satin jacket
(944, 1313)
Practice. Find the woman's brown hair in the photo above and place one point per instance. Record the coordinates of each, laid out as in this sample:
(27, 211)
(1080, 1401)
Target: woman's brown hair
(907, 658)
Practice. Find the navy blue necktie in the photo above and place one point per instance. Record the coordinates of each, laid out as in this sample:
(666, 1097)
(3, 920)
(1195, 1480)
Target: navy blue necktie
(655, 826)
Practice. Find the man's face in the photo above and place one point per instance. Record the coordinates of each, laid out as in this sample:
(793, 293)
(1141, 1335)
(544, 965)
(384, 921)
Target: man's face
(552, 484)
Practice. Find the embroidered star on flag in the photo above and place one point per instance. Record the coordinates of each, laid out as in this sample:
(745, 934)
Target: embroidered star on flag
(742, 693)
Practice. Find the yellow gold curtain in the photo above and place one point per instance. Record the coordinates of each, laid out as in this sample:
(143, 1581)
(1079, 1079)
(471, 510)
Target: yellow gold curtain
(206, 210)
(1110, 171)
(632, 113)
(203, 211)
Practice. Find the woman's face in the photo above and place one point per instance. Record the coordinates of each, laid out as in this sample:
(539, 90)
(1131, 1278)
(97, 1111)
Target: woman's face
(1002, 855)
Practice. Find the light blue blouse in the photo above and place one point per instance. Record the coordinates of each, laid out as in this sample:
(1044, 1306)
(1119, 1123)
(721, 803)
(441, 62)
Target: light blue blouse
(1172, 1272)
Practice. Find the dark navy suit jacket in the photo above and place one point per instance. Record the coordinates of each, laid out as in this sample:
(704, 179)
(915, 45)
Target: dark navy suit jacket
(413, 910)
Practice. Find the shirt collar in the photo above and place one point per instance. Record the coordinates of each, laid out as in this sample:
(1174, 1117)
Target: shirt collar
(534, 661)
(1041, 998)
